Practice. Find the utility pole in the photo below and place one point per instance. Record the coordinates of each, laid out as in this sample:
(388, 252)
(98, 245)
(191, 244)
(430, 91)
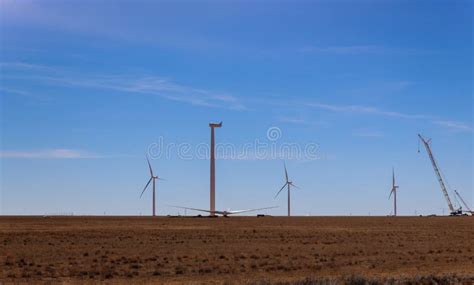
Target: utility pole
(213, 170)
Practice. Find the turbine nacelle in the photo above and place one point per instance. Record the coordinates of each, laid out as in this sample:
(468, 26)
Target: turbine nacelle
(215, 125)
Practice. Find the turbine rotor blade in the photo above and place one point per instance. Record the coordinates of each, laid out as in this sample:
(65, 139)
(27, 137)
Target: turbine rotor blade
(149, 166)
(146, 187)
(295, 186)
(391, 192)
(283, 187)
(393, 177)
(286, 172)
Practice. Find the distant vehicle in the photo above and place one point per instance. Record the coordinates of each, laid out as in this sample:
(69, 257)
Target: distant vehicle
(225, 213)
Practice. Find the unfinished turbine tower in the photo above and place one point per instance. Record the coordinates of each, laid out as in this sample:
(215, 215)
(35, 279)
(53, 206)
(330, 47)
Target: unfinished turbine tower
(212, 208)
(287, 184)
(394, 192)
(152, 177)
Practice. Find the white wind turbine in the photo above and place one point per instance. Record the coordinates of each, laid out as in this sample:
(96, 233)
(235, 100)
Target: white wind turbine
(287, 184)
(152, 177)
(394, 192)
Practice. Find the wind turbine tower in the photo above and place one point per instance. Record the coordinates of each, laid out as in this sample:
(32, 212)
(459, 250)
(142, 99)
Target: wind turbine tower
(394, 192)
(212, 208)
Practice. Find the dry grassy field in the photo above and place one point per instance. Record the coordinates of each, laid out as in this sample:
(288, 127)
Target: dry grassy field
(236, 250)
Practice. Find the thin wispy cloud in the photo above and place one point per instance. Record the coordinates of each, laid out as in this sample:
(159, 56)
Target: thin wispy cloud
(168, 89)
(359, 109)
(23, 66)
(133, 84)
(301, 121)
(293, 121)
(368, 110)
(361, 50)
(60, 153)
(344, 50)
(108, 23)
(367, 134)
(455, 126)
(154, 85)
(14, 91)
(24, 93)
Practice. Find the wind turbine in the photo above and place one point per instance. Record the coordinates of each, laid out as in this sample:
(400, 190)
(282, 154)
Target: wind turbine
(152, 177)
(287, 184)
(394, 192)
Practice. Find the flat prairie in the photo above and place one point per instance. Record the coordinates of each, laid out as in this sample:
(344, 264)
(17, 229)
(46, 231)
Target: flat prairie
(236, 250)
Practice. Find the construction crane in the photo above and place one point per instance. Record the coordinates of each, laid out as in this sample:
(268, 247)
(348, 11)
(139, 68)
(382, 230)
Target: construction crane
(464, 203)
(454, 212)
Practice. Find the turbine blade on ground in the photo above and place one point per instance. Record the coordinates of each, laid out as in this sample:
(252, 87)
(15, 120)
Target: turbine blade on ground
(145, 187)
(249, 210)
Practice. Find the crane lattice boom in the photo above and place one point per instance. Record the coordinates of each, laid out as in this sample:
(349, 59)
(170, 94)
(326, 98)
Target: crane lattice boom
(438, 174)
(462, 200)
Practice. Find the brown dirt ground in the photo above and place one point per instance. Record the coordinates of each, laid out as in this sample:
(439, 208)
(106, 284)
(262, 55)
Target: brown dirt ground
(233, 250)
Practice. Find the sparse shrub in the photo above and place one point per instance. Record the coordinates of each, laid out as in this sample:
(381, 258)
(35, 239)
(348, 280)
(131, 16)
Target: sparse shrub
(179, 270)
(109, 275)
(205, 270)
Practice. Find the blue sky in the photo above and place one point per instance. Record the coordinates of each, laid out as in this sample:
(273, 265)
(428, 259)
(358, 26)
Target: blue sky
(86, 88)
